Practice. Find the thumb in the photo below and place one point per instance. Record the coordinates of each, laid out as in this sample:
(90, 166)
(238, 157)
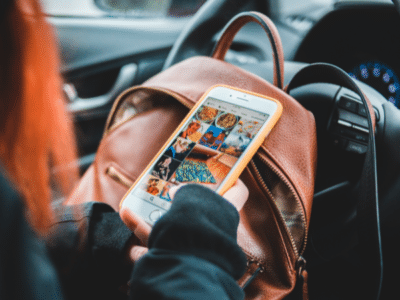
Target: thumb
(137, 252)
(135, 223)
(237, 194)
(174, 189)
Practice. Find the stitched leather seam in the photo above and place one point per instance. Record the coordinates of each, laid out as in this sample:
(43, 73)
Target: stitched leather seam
(121, 98)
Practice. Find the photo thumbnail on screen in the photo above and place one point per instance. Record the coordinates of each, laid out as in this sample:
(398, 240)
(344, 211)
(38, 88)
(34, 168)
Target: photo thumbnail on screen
(213, 137)
(165, 167)
(180, 148)
(194, 130)
(240, 137)
(205, 166)
(153, 185)
(206, 114)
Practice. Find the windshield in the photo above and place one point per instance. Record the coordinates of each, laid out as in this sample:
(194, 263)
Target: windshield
(172, 8)
(121, 8)
(293, 7)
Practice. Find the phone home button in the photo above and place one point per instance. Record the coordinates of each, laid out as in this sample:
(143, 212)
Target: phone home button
(155, 215)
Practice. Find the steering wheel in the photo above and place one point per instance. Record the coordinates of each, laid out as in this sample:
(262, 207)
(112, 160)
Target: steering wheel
(197, 37)
(333, 231)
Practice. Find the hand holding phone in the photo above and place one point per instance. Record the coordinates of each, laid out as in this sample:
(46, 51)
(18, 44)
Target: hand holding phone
(212, 146)
(237, 195)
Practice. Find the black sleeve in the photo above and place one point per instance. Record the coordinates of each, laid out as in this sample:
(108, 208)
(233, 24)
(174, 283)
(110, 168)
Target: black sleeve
(193, 251)
(26, 273)
(88, 245)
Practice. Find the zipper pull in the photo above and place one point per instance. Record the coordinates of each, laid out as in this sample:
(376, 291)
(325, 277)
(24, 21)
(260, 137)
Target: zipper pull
(253, 269)
(302, 277)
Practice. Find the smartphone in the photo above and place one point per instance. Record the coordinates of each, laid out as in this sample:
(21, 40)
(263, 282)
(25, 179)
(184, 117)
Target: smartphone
(211, 146)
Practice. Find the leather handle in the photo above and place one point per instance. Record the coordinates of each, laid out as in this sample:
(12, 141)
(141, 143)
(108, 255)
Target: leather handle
(233, 27)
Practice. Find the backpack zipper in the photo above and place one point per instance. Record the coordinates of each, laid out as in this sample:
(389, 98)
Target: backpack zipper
(277, 172)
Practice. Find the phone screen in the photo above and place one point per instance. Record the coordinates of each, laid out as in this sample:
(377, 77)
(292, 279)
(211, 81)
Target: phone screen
(206, 149)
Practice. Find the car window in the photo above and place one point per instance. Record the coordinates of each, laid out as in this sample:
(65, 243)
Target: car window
(284, 8)
(121, 8)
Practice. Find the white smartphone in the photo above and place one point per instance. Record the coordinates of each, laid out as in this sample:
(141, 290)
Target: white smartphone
(212, 146)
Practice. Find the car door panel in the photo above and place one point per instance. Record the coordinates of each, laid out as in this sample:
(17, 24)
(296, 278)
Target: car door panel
(101, 57)
(88, 42)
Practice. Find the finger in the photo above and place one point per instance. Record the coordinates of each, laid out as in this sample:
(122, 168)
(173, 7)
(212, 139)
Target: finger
(237, 194)
(172, 191)
(135, 223)
(137, 252)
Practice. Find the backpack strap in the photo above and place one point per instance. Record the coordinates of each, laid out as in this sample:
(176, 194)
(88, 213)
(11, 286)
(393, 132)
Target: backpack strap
(368, 223)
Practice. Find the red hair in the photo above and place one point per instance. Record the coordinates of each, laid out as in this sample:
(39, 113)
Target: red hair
(36, 133)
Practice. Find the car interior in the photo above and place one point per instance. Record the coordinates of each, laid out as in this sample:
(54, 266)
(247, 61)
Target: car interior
(103, 55)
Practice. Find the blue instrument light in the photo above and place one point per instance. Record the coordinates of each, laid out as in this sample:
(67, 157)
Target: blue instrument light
(386, 77)
(376, 71)
(381, 77)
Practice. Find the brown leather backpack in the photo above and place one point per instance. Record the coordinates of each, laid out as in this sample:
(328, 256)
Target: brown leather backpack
(275, 220)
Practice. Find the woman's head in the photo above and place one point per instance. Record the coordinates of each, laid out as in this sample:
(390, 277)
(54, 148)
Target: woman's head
(167, 162)
(221, 136)
(209, 134)
(194, 125)
(181, 146)
(153, 182)
(35, 130)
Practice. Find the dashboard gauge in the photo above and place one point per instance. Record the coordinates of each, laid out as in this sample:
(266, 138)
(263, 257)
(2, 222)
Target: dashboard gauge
(380, 77)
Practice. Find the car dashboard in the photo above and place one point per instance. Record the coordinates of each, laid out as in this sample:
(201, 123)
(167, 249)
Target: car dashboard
(363, 40)
(359, 37)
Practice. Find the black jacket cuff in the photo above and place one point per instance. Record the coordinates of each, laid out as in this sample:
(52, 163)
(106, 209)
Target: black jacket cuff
(201, 223)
